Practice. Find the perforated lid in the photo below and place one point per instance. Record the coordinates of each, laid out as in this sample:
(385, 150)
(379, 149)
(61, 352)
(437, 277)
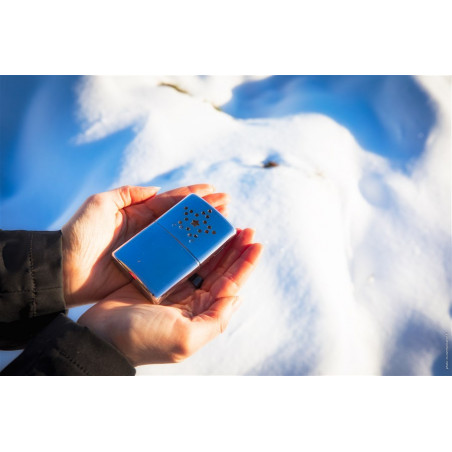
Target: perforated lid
(197, 226)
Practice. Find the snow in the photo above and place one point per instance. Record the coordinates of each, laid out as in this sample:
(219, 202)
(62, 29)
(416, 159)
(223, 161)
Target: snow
(355, 276)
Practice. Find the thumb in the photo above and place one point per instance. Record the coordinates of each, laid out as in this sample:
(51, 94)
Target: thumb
(128, 195)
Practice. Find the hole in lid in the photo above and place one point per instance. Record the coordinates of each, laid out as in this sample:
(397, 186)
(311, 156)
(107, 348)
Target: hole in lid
(199, 230)
(213, 232)
(209, 227)
(180, 222)
(185, 207)
(196, 214)
(180, 227)
(186, 219)
(210, 211)
(195, 236)
(187, 229)
(189, 234)
(203, 212)
(206, 231)
(191, 211)
(207, 216)
(205, 222)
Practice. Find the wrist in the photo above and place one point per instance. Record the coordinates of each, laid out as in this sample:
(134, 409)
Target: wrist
(110, 328)
(68, 271)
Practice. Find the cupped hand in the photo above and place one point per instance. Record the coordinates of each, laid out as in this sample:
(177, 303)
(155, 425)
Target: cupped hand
(103, 223)
(170, 332)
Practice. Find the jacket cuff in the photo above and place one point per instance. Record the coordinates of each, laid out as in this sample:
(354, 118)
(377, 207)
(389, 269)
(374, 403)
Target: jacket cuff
(66, 348)
(31, 276)
(47, 273)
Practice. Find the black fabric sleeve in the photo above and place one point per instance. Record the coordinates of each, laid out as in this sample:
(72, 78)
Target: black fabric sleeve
(66, 348)
(31, 287)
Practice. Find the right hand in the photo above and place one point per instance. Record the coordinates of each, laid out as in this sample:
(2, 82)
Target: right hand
(103, 223)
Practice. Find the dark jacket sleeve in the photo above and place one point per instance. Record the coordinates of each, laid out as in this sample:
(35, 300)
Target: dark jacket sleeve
(32, 309)
(66, 348)
(31, 288)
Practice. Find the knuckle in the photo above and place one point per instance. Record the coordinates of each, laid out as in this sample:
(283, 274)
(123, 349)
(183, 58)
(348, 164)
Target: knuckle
(125, 189)
(125, 193)
(95, 199)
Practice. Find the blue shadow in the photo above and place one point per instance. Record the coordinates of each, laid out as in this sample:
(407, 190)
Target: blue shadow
(15, 95)
(43, 169)
(388, 115)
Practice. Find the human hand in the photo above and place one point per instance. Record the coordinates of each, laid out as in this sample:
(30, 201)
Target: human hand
(170, 332)
(103, 223)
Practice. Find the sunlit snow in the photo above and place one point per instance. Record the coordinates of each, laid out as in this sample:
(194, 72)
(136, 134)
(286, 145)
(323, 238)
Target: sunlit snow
(356, 273)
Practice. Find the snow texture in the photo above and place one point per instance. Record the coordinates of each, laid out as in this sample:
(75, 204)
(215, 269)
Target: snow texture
(356, 272)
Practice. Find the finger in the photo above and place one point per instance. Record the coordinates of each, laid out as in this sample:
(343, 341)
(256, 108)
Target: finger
(215, 270)
(210, 323)
(230, 255)
(206, 270)
(213, 262)
(158, 205)
(238, 246)
(217, 199)
(141, 215)
(128, 195)
(235, 276)
(223, 210)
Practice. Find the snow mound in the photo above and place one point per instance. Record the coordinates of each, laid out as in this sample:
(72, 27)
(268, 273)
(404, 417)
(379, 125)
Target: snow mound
(355, 274)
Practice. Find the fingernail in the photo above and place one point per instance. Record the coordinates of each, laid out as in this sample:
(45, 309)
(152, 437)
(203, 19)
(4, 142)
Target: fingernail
(156, 190)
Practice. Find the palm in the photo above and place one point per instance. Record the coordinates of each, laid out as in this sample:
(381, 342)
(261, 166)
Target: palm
(148, 333)
(102, 224)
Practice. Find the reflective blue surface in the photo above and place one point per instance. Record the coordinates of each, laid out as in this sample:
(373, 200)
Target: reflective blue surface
(197, 226)
(166, 252)
(156, 259)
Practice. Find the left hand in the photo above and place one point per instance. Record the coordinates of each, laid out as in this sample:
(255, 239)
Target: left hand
(170, 332)
(103, 223)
